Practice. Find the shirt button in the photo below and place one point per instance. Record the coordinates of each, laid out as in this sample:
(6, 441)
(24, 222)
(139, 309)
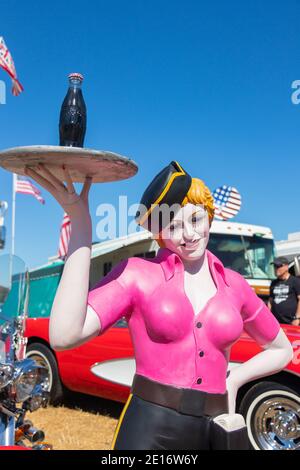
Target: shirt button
(201, 353)
(199, 381)
(199, 324)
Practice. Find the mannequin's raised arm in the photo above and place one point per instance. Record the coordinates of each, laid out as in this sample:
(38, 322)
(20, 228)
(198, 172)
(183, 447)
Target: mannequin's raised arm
(71, 322)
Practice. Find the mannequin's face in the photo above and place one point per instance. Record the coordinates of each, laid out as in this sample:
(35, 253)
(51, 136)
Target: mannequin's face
(188, 233)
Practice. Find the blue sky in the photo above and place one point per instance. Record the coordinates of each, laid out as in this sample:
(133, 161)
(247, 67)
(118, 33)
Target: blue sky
(205, 83)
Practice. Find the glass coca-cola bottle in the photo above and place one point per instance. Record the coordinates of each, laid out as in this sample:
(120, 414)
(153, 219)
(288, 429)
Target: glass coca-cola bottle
(72, 120)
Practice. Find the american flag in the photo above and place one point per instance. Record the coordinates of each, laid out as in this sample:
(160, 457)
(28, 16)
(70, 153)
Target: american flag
(7, 63)
(24, 186)
(65, 233)
(227, 201)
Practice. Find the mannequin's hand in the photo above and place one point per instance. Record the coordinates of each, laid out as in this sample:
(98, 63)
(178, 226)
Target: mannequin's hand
(76, 206)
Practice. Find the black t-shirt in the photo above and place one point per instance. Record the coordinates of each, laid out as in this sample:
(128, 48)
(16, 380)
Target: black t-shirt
(284, 298)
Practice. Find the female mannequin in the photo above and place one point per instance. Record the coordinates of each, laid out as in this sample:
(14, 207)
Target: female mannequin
(184, 311)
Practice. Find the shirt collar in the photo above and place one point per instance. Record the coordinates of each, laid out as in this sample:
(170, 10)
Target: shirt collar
(171, 263)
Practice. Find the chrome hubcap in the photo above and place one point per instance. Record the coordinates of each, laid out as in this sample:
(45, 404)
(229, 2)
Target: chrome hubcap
(41, 361)
(276, 424)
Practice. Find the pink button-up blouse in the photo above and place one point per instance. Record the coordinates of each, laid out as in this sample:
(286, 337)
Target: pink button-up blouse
(173, 344)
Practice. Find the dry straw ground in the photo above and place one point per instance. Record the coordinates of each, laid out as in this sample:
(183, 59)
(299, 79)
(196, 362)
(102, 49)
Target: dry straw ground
(81, 423)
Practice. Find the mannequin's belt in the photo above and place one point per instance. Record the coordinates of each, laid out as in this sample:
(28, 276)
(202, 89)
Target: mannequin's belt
(184, 400)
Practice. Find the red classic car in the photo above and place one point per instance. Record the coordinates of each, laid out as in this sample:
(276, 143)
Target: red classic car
(105, 366)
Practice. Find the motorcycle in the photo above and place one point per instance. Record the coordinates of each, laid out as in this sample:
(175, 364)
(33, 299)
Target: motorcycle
(22, 380)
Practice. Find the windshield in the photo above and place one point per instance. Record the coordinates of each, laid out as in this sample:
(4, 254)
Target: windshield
(249, 256)
(13, 300)
(12, 286)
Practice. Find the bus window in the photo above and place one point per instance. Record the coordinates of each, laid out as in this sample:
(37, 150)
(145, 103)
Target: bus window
(107, 267)
(147, 255)
(249, 256)
(121, 323)
(150, 254)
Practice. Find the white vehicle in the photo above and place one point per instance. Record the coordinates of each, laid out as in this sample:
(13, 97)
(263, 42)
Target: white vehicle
(248, 249)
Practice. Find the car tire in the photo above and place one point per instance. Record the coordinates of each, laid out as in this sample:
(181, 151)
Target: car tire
(44, 356)
(272, 415)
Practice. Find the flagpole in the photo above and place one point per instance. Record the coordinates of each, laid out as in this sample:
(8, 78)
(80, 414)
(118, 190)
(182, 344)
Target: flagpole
(13, 217)
(13, 206)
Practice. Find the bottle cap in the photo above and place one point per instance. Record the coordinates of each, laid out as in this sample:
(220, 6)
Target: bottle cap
(76, 75)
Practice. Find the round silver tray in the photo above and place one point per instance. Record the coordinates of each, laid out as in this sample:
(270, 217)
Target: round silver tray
(102, 166)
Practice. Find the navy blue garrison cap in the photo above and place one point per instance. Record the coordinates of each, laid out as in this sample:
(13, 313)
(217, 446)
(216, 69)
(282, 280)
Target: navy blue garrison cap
(169, 186)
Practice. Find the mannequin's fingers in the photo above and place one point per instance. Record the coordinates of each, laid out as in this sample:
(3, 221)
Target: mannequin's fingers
(54, 181)
(39, 179)
(68, 180)
(86, 187)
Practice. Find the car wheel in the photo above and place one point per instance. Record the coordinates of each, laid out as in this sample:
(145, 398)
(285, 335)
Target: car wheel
(272, 415)
(45, 357)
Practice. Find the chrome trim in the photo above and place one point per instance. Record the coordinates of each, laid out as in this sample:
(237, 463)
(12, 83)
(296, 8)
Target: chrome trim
(275, 423)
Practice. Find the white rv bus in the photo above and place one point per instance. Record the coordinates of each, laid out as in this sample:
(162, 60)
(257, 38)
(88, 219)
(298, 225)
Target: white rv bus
(247, 249)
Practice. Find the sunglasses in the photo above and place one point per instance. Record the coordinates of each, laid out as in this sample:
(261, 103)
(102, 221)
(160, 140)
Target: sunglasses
(278, 266)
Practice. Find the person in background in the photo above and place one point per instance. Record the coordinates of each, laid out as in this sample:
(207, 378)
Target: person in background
(284, 301)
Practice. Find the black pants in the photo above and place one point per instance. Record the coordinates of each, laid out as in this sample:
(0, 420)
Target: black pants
(148, 426)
